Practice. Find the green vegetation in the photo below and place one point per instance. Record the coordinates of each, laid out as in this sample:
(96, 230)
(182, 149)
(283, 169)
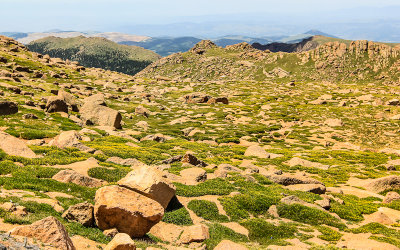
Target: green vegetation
(267, 234)
(207, 210)
(96, 52)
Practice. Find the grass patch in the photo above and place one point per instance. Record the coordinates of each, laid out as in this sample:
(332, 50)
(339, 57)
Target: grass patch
(207, 210)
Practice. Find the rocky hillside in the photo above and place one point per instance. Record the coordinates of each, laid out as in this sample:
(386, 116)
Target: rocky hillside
(94, 159)
(96, 52)
(334, 61)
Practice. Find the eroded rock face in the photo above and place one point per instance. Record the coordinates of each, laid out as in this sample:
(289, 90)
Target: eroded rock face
(151, 183)
(94, 114)
(8, 108)
(81, 213)
(49, 230)
(71, 176)
(14, 146)
(126, 210)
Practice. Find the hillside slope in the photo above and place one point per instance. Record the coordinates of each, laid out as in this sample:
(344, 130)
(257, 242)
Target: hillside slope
(310, 164)
(96, 52)
(348, 60)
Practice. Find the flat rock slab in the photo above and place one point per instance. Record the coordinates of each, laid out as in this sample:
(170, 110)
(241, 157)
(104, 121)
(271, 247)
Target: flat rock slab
(15, 147)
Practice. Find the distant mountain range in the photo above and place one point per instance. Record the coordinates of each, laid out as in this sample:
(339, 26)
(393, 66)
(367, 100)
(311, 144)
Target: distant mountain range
(163, 46)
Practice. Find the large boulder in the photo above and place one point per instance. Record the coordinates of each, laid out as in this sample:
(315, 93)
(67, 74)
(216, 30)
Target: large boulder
(126, 210)
(70, 139)
(257, 151)
(14, 146)
(288, 180)
(384, 183)
(81, 213)
(49, 230)
(56, 104)
(8, 108)
(94, 114)
(150, 182)
(97, 99)
(193, 176)
(71, 176)
(312, 188)
(121, 241)
(191, 159)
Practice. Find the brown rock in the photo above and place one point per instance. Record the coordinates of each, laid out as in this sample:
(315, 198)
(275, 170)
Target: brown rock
(192, 176)
(56, 104)
(391, 196)
(288, 180)
(257, 151)
(121, 241)
(140, 110)
(384, 183)
(191, 159)
(81, 213)
(150, 182)
(49, 230)
(8, 108)
(166, 232)
(312, 188)
(14, 146)
(196, 233)
(110, 232)
(93, 114)
(71, 176)
(126, 210)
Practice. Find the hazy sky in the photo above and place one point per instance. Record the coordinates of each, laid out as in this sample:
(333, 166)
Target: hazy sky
(102, 15)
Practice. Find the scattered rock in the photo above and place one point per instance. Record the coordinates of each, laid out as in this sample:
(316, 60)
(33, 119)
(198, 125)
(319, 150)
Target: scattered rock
(312, 188)
(94, 114)
(391, 196)
(384, 183)
(309, 164)
(56, 104)
(193, 176)
(191, 159)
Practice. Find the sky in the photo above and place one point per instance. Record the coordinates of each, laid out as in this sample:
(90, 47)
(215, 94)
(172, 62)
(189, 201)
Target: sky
(117, 15)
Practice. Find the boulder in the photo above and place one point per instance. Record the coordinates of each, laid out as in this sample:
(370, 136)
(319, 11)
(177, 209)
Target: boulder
(8, 108)
(126, 210)
(97, 99)
(14, 146)
(49, 231)
(295, 161)
(191, 159)
(257, 151)
(391, 196)
(121, 241)
(81, 213)
(166, 231)
(324, 203)
(229, 245)
(69, 99)
(193, 176)
(71, 176)
(140, 110)
(312, 188)
(384, 183)
(288, 180)
(56, 104)
(195, 233)
(150, 182)
(196, 98)
(93, 114)
(70, 139)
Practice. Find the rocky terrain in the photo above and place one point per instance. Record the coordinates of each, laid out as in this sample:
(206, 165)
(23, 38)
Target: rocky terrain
(96, 52)
(178, 157)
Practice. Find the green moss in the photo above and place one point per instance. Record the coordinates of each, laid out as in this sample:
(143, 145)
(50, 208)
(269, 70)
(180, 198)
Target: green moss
(207, 210)
(219, 233)
(308, 215)
(209, 187)
(329, 234)
(353, 207)
(267, 234)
